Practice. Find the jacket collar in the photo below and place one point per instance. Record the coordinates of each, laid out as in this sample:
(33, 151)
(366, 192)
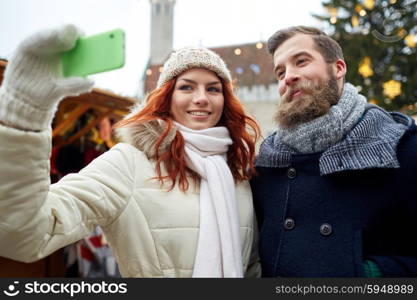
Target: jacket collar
(371, 144)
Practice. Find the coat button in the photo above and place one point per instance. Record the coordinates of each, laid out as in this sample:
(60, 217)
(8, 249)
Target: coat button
(291, 173)
(289, 223)
(326, 229)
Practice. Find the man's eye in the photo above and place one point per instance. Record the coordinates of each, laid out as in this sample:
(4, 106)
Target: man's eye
(301, 61)
(280, 74)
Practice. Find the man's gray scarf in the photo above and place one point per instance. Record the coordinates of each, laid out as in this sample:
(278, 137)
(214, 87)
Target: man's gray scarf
(371, 143)
(325, 131)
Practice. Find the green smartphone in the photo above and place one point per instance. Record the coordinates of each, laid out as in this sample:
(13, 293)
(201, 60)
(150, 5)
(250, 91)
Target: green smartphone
(95, 54)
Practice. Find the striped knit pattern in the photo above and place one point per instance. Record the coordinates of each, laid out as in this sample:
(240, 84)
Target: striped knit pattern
(273, 155)
(18, 112)
(372, 143)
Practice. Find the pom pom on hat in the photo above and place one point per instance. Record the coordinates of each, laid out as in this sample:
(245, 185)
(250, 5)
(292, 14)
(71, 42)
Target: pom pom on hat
(193, 57)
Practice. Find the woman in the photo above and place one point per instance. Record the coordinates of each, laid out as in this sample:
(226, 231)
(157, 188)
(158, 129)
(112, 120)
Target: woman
(166, 199)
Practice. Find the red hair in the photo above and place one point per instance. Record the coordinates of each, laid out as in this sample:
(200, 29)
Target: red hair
(243, 130)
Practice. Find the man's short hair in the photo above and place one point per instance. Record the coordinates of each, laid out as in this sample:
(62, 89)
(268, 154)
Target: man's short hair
(328, 47)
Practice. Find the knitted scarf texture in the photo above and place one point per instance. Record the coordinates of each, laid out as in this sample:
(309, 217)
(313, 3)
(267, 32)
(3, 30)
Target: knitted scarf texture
(361, 141)
(325, 131)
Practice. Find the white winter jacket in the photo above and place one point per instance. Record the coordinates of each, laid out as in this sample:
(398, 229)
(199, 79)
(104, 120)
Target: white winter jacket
(153, 233)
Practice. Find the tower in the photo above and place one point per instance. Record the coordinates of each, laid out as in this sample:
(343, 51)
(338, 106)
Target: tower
(162, 31)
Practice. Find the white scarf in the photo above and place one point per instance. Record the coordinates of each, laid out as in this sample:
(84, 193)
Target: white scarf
(219, 252)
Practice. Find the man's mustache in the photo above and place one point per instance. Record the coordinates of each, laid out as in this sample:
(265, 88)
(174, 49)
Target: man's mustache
(307, 87)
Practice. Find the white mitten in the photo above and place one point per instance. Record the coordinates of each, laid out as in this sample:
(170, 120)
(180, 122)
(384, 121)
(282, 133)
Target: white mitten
(32, 85)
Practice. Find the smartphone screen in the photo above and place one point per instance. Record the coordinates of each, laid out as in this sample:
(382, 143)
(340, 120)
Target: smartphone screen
(95, 54)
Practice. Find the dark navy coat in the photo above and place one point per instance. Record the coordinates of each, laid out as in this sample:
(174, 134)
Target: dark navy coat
(314, 225)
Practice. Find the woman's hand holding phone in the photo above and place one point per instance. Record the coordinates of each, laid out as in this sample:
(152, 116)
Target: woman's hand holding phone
(33, 84)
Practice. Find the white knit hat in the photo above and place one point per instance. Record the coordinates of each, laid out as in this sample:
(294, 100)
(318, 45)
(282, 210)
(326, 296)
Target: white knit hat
(193, 57)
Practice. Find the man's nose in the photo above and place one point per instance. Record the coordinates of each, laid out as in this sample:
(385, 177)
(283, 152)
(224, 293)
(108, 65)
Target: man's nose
(291, 77)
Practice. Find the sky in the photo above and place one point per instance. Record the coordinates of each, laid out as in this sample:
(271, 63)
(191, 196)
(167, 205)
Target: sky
(207, 23)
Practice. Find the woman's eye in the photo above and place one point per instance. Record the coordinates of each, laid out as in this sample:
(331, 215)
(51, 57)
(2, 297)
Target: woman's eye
(280, 74)
(185, 87)
(214, 89)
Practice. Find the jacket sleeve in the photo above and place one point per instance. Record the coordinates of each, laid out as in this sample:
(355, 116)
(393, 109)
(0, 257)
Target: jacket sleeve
(254, 265)
(37, 218)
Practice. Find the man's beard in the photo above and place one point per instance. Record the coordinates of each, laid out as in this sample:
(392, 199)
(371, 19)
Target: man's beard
(315, 101)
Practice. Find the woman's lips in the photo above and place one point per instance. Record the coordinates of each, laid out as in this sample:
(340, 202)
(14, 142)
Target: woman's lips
(199, 114)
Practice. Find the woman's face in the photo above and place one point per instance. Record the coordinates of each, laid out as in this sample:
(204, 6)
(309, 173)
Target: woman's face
(197, 101)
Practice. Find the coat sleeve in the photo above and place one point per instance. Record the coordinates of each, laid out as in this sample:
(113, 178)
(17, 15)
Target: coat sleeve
(37, 218)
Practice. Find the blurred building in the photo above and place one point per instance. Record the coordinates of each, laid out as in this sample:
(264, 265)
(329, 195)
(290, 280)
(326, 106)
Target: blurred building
(250, 64)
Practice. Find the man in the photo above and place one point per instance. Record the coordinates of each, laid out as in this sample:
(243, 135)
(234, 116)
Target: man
(336, 194)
